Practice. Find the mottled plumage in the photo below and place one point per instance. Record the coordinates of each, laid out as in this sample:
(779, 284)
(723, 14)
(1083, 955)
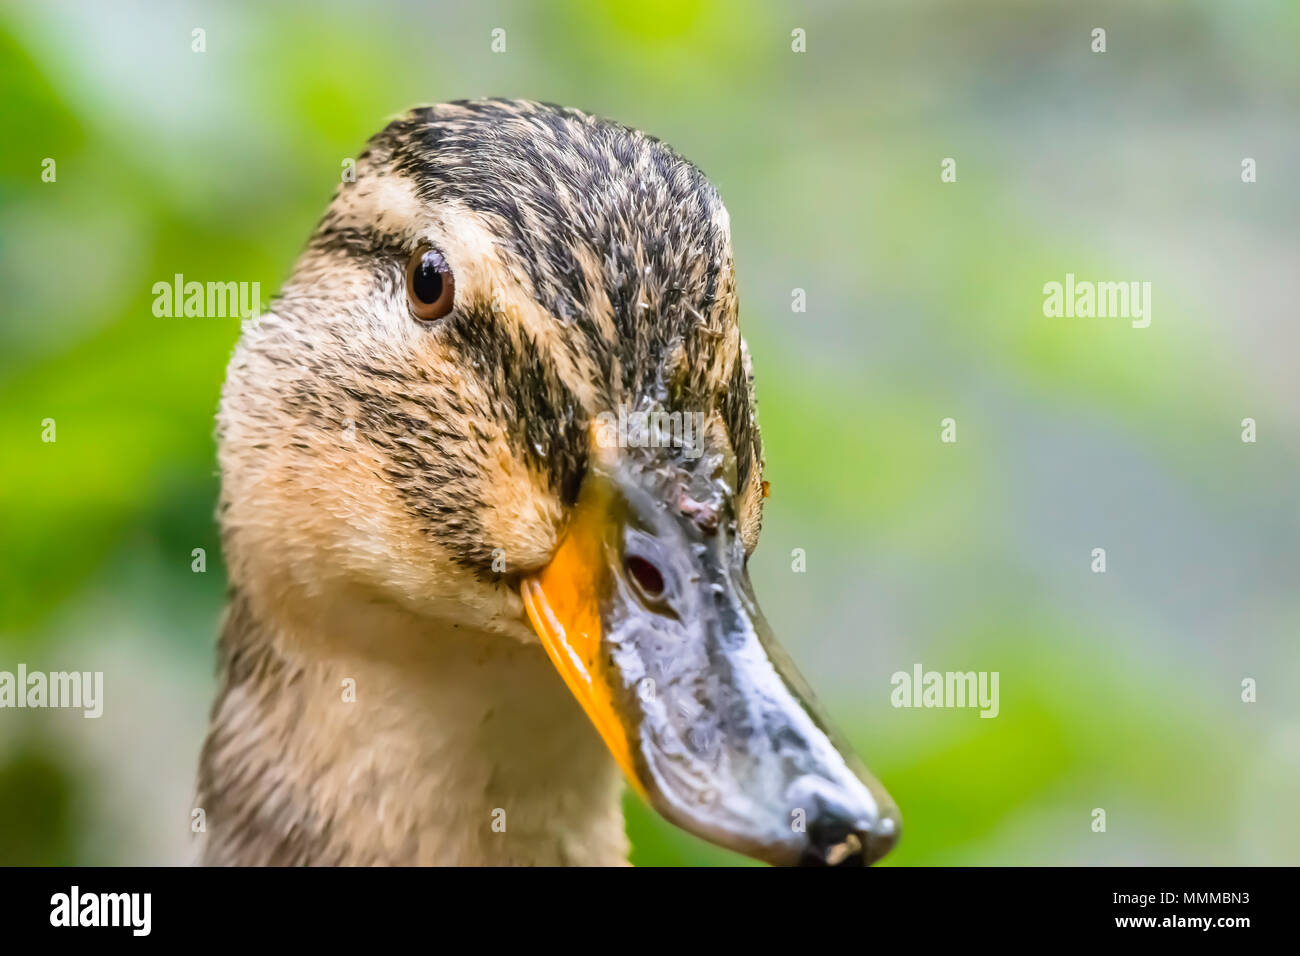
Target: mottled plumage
(377, 472)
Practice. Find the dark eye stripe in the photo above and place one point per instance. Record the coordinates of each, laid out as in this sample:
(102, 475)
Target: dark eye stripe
(366, 245)
(544, 419)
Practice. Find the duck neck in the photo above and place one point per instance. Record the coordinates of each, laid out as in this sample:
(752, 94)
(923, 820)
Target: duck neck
(439, 746)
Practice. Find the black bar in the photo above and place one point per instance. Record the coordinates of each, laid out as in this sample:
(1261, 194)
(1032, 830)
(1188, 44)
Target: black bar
(597, 908)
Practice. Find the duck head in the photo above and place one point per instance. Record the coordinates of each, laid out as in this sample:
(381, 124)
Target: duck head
(510, 395)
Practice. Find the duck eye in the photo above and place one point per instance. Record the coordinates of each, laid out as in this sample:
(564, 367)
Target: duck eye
(430, 288)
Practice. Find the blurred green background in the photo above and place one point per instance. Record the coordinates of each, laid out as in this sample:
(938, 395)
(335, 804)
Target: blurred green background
(1118, 690)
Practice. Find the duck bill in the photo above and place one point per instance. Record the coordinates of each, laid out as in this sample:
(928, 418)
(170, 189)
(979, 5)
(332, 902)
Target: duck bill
(646, 611)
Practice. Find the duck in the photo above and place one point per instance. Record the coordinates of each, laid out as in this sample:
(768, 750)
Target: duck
(491, 475)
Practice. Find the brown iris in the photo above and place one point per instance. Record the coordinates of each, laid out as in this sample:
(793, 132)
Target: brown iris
(430, 288)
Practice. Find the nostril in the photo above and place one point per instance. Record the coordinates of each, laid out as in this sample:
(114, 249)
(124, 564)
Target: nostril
(647, 577)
